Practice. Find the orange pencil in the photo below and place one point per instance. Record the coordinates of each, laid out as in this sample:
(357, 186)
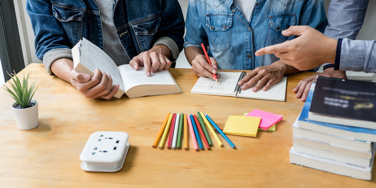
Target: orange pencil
(201, 132)
(208, 59)
(185, 144)
(165, 132)
(160, 131)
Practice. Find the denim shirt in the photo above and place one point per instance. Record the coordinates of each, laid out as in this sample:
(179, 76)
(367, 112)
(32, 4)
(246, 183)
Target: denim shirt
(345, 20)
(61, 24)
(233, 41)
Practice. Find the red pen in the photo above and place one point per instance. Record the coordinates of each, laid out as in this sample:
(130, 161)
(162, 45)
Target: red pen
(207, 58)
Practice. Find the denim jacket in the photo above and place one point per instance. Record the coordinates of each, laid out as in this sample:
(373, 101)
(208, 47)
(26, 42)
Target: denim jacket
(233, 41)
(61, 24)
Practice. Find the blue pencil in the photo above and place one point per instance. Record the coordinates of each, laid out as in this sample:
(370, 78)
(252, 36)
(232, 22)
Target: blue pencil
(220, 131)
(196, 133)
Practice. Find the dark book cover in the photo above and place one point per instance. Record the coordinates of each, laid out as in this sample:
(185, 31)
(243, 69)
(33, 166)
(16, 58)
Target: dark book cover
(345, 98)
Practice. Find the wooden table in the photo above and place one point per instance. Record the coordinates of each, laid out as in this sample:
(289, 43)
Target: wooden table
(48, 156)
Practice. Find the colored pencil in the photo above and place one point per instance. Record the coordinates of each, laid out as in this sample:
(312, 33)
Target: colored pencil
(185, 132)
(220, 132)
(180, 131)
(192, 133)
(171, 132)
(208, 59)
(201, 132)
(160, 131)
(176, 127)
(211, 130)
(196, 133)
(204, 129)
(162, 142)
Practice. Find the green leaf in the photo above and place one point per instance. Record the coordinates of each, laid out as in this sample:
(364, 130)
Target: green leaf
(20, 90)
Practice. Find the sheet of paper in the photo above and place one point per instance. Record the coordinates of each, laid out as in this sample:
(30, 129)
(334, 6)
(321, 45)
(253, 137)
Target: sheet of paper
(133, 78)
(225, 86)
(267, 119)
(276, 92)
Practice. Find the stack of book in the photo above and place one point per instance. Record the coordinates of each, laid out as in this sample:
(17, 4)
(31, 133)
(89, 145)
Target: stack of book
(336, 129)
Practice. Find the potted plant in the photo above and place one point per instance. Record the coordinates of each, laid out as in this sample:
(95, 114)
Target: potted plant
(25, 107)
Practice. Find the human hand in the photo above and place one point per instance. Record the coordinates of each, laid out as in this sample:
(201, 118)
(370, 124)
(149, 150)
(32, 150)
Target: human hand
(304, 85)
(263, 77)
(153, 60)
(202, 68)
(99, 86)
(309, 50)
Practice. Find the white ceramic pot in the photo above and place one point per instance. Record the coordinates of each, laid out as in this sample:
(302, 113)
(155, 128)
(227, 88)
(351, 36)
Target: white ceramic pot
(27, 118)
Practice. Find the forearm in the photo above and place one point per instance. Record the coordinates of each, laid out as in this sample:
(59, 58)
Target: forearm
(191, 52)
(62, 68)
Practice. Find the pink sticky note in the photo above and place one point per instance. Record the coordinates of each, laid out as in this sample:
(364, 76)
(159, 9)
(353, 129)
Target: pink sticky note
(267, 119)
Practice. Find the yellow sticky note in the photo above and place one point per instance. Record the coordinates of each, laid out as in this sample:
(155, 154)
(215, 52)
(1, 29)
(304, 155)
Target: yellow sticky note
(242, 125)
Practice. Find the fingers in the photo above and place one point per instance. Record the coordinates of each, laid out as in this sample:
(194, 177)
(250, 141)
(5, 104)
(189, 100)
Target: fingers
(135, 62)
(80, 77)
(303, 87)
(274, 49)
(152, 62)
(295, 30)
(202, 68)
(112, 93)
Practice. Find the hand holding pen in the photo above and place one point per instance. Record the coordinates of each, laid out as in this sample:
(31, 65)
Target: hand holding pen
(200, 64)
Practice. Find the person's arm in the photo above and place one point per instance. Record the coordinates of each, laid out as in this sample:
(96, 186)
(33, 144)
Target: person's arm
(357, 55)
(53, 47)
(49, 35)
(194, 37)
(345, 18)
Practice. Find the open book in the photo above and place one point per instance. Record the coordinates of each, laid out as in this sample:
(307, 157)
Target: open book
(227, 86)
(87, 57)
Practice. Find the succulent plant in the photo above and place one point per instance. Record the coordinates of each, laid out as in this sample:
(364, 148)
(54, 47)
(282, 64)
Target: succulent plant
(20, 90)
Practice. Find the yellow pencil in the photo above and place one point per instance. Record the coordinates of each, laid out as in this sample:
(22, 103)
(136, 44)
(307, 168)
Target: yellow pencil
(211, 129)
(160, 131)
(167, 128)
(185, 133)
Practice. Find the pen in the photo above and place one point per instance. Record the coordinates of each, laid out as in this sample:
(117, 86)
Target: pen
(207, 58)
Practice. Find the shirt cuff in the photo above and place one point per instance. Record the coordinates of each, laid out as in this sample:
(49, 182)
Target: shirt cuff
(338, 54)
(55, 54)
(171, 44)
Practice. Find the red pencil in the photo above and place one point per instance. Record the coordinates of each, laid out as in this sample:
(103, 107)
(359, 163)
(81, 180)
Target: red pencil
(170, 136)
(201, 132)
(208, 59)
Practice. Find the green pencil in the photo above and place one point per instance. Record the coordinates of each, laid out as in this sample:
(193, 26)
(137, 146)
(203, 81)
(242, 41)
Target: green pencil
(204, 129)
(180, 130)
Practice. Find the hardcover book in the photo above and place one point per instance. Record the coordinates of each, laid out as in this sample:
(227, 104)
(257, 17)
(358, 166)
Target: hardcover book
(345, 102)
(356, 133)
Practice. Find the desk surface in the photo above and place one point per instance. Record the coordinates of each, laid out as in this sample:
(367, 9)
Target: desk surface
(49, 154)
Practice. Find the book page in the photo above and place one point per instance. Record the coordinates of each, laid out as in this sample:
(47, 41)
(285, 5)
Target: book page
(225, 86)
(277, 92)
(132, 78)
(93, 57)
